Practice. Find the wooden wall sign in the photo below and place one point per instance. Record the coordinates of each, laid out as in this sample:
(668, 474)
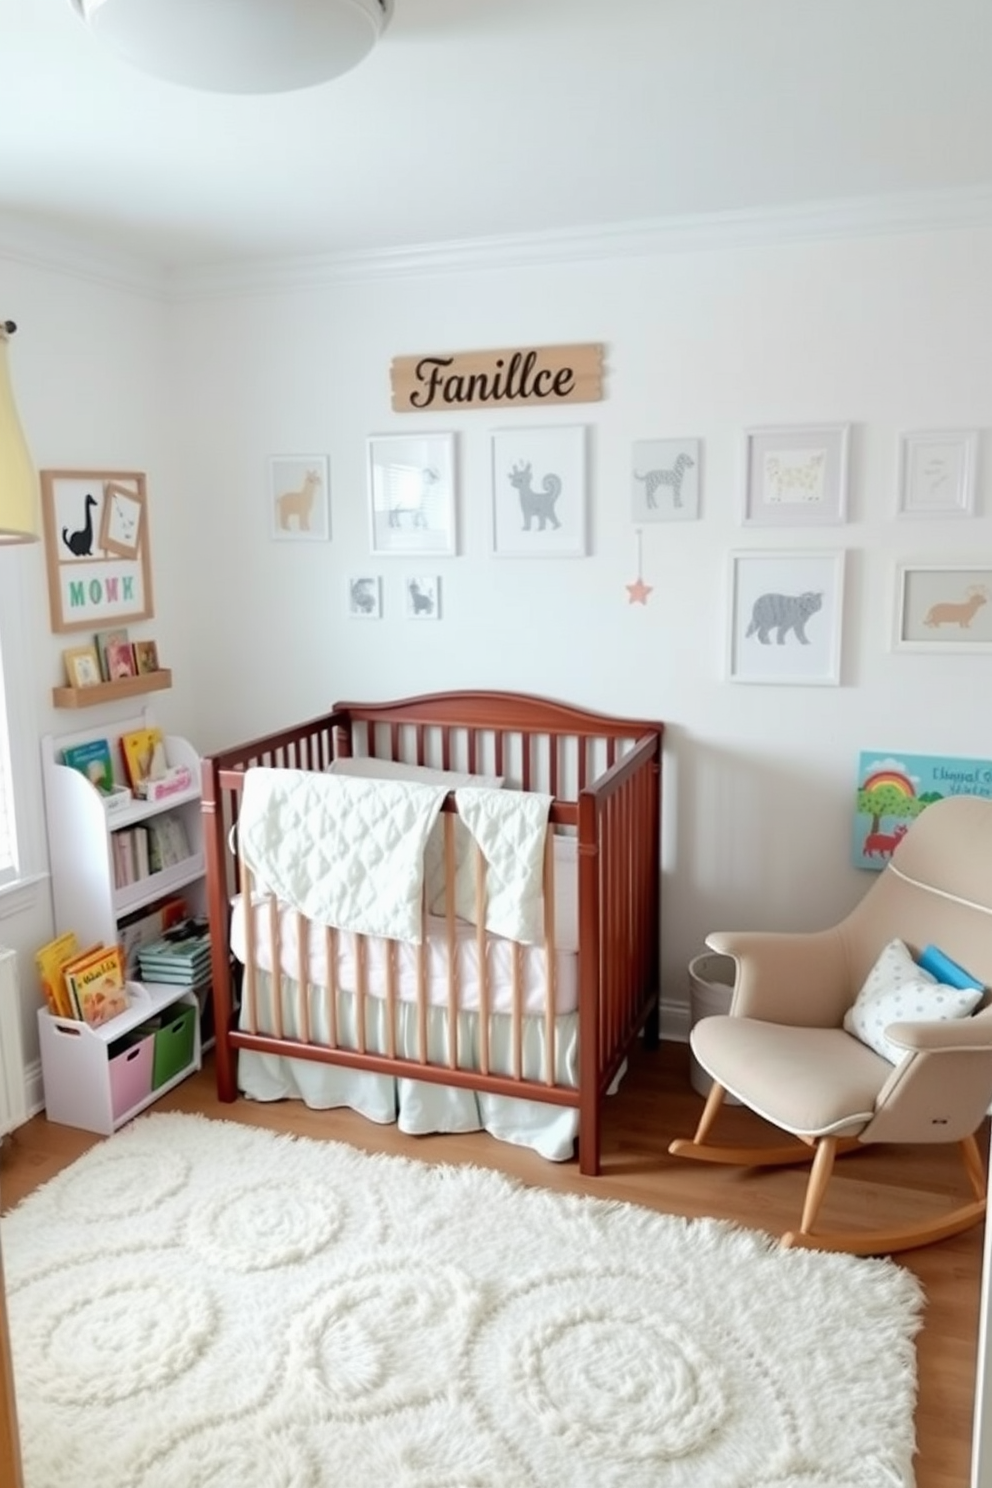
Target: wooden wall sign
(542, 375)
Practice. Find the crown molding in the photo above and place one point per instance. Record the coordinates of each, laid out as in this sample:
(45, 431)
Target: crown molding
(921, 212)
(63, 252)
(852, 218)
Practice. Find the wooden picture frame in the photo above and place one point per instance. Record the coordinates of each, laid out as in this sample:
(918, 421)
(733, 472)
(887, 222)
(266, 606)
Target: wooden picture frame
(539, 492)
(785, 617)
(943, 606)
(795, 476)
(411, 490)
(82, 666)
(145, 657)
(937, 473)
(97, 548)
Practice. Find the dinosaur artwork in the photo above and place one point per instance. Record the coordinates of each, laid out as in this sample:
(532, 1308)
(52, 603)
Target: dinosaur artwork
(80, 542)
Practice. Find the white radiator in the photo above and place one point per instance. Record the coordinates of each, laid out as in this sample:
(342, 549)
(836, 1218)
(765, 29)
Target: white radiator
(13, 1094)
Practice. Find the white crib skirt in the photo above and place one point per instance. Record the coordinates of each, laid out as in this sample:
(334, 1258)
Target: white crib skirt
(420, 1107)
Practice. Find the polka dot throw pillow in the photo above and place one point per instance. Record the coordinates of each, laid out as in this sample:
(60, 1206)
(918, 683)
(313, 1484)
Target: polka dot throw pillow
(896, 990)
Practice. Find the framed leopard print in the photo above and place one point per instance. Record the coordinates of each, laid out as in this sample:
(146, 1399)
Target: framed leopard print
(795, 476)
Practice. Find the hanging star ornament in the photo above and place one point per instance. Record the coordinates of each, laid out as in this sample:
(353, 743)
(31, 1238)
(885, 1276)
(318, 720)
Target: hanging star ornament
(638, 591)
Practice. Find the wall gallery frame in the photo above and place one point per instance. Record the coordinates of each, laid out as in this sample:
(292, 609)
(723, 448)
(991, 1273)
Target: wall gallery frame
(937, 473)
(943, 606)
(785, 617)
(299, 500)
(665, 480)
(365, 597)
(411, 486)
(795, 476)
(539, 492)
(422, 593)
(97, 548)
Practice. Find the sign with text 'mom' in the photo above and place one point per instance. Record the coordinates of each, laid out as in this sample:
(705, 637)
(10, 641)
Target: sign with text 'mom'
(514, 378)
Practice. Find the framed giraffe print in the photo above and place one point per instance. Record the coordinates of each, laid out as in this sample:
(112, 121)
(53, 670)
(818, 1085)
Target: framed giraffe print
(97, 548)
(795, 476)
(539, 492)
(785, 616)
(665, 480)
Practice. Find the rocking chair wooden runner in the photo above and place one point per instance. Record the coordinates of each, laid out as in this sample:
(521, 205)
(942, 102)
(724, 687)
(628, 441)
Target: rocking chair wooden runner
(784, 1053)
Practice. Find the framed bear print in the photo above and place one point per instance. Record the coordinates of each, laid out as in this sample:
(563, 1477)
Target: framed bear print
(785, 614)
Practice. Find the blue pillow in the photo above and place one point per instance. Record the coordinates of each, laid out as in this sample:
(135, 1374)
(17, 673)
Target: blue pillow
(945, 970)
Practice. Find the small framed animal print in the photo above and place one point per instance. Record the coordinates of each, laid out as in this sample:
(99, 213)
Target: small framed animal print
(423, 596)
(795, 477)
(539, 492)
(665, 480)
(937, 473)
(785, 617)
(299, 501)
(944, 606)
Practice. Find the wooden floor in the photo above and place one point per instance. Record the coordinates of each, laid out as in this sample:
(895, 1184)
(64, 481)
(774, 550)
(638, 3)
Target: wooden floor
(656, 1102)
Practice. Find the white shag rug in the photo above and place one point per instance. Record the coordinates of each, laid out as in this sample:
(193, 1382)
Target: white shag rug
(199, 1304)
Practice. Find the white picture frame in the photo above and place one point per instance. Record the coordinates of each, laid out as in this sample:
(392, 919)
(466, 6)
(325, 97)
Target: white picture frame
(299, 498)
(364, 597)
(943, 606)
(539, 492)
(937, 473)
(422, 596)
(795, 476)
(665, 480)
(776, 633)
(411, 492)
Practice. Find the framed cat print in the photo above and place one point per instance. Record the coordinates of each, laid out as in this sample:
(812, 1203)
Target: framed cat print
(785, 617)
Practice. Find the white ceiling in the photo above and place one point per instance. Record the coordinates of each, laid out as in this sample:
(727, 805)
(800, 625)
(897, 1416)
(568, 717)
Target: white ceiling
(482, 118)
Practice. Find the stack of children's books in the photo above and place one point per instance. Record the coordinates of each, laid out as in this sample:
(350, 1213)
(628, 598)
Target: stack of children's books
(180, 956)
(87, 985)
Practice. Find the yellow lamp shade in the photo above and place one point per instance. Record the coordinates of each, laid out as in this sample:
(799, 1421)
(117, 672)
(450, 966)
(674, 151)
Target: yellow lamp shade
(18, 481)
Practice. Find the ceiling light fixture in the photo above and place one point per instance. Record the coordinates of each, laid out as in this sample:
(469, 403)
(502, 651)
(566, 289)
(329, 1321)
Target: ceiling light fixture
(18, 481)
(239, 46)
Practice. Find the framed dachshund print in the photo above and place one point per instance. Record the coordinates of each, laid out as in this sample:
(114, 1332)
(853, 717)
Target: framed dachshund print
(785, 612)
(539, 492)
(299, 500)
(944, 606)
(795, 477)
(97, 548)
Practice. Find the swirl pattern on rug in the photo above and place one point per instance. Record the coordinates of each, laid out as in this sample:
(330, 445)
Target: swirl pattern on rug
(200, 1304)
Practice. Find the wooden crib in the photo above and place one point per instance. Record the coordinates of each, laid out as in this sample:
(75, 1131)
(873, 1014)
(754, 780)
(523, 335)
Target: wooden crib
(603, 775)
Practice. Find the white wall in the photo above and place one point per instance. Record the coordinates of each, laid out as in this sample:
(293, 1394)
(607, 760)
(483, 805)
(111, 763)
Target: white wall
(888, 333)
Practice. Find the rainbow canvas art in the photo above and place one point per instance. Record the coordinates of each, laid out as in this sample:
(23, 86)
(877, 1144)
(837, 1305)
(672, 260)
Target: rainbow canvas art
(894, 788)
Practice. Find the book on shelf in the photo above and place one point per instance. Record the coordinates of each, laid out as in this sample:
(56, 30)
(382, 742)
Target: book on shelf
(92, 760)
(120, 660)
(168, 843)
(50, 959)
(143, 756)
(143, 926)
(97, 986)
(181, 955)
(104, 639)
(146, 657)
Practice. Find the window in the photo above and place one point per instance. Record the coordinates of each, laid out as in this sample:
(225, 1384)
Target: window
(21, 856)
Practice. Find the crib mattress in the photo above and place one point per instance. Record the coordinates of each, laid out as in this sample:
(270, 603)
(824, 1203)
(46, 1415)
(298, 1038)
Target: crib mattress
(533, 961)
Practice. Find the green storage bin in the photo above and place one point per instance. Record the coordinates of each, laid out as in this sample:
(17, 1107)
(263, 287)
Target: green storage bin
(173, 1044)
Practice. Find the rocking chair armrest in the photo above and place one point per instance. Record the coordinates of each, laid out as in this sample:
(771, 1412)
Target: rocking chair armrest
(792, 978)
(933, 1038)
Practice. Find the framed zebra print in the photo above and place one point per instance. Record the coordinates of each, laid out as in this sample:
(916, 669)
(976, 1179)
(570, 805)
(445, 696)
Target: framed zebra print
(785, 617)
(795, 476)
(665, 480)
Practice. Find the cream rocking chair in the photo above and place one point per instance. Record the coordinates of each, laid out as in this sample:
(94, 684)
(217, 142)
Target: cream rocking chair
(783, 1050)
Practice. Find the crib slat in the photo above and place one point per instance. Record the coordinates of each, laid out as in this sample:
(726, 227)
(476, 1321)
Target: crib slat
(391, 998)
(480, 944)
(275, 940)
(551, 960)
(251, 971)
(517, 1008)
(449, 918)
(422, 954)
(331, 958)
(303, 974)
(361, 990)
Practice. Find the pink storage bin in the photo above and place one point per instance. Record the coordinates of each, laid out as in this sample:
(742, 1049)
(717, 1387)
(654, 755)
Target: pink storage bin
(131, 1076)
